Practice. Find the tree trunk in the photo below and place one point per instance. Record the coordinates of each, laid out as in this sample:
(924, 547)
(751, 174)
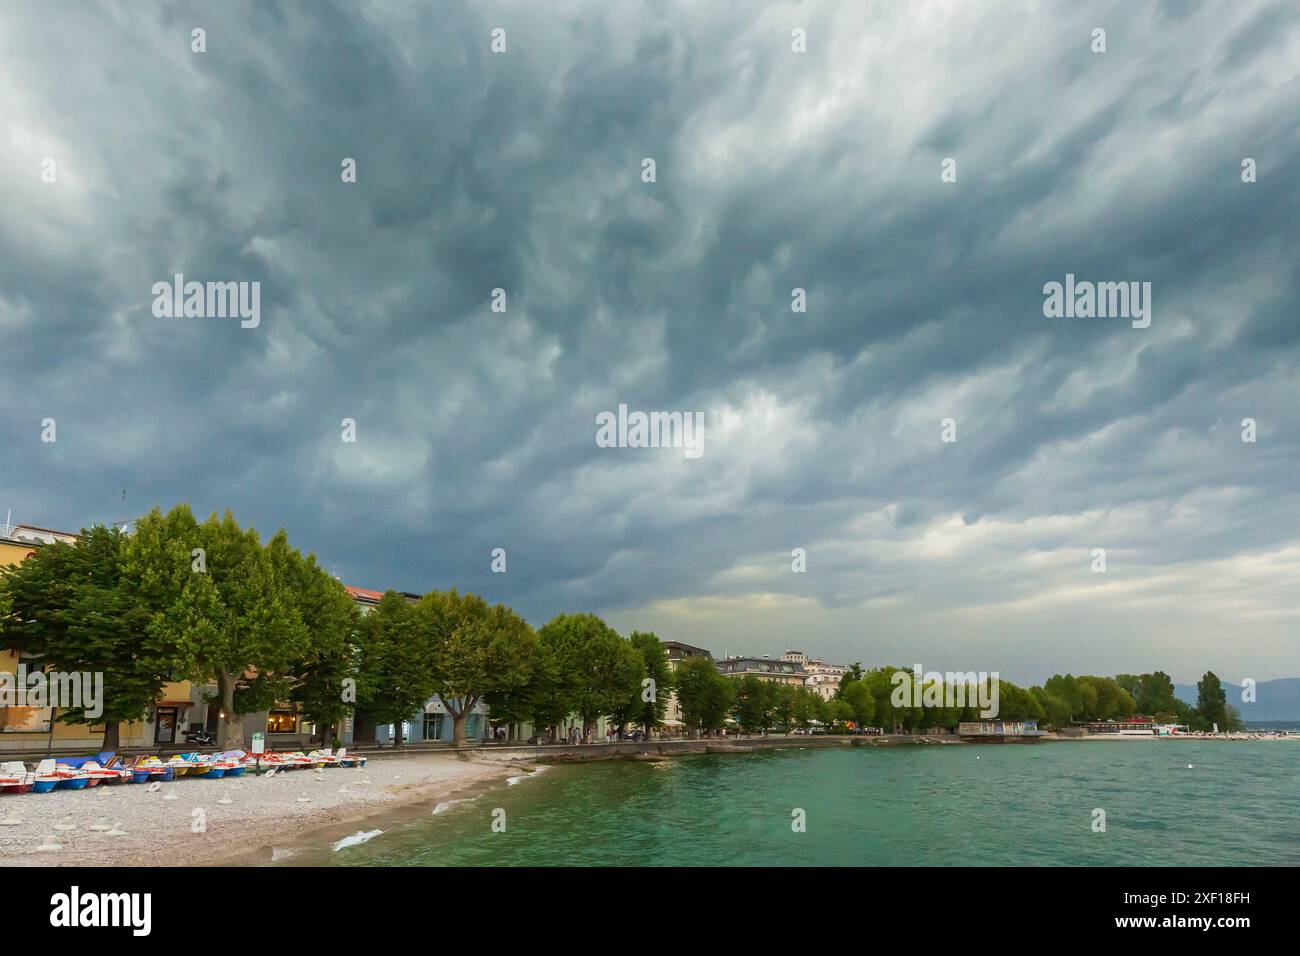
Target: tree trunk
(458, 722)
(397, 734)
(112, 736)
(230, 730)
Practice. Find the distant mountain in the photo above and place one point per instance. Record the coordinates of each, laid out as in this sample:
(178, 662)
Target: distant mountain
(1274, 699)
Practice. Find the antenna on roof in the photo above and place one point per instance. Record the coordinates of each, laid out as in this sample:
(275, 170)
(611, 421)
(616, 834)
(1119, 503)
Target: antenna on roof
(9, 528)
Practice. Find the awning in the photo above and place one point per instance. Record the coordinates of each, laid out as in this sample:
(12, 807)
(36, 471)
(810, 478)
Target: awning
(672, 723)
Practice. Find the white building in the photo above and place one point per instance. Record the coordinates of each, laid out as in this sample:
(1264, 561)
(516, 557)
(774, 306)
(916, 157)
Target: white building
(823, 679)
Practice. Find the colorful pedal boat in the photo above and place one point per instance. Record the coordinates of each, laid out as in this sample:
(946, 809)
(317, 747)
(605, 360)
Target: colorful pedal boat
(15, 778)
(71, 778)
(106, 775)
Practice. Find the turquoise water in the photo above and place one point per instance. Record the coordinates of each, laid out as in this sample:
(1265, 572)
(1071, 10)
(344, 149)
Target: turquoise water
(898, 806)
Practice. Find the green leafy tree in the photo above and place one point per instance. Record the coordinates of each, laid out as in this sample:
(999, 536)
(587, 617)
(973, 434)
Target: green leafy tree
(475, 649)
(598, 670)
(324, 679)
(754, 703)
(72, 607)
(783, 706)
(514, 703)
(704, 696)
(394, 665)
(1066, 687)
(547, 698)
(651, 700)
(1056, 712)
(1211, 702)
(802, 710)
(222, 600)
(881, 683)
(854, 673)
(862, 703)
(841, 712)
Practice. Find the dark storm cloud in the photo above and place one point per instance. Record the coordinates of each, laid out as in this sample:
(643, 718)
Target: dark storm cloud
(775, 170)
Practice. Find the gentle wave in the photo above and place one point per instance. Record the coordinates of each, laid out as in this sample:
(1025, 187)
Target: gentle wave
(361, 836)
(448, 804)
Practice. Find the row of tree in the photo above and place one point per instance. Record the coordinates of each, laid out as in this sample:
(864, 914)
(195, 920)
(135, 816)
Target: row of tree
(210, 602)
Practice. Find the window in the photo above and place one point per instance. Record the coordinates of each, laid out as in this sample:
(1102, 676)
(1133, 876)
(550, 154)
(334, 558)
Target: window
(281, 722)
(433, 726)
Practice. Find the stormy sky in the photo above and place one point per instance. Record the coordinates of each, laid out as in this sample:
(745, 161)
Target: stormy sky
(774, 170)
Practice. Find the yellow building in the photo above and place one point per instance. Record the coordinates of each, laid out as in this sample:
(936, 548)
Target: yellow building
(30, 729)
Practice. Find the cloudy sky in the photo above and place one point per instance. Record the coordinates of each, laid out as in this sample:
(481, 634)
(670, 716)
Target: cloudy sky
(775, 170)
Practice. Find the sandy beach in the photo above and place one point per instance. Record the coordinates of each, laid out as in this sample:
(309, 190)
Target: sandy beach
(259, 814)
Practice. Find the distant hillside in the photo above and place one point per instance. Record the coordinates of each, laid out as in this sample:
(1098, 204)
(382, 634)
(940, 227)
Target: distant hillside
(1274, 699)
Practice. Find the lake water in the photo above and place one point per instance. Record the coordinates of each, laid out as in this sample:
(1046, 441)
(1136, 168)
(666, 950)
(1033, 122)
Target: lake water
(1238, 805)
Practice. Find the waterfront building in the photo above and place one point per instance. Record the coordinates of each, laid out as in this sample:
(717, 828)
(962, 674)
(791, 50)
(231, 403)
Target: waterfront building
(999, 730)
(1135, 726)
(765, 669)
(823, 679)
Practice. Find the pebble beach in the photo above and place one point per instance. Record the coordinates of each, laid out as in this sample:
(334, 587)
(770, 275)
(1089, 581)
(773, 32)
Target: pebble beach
(242, 820)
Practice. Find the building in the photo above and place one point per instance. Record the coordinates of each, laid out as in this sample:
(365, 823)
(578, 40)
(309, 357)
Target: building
(1000, 731)
(766, 669)
(823, 679)
(37, 729)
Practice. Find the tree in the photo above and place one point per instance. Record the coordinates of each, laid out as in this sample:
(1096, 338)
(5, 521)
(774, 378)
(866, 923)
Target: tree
(320, 677)
(783, 705)
(1056, 711)
(651, 700)
(72, 607)
(862, 704)
(881, 684)
(754, 703)
(1211, 701)
(475, 650)
(802, 710)
(598, 670)
(1067, 689)
(224, 602)
(547, 696)
(394, 668)
(704, 696)
(512, 703)
(854, 673)
(841, 711)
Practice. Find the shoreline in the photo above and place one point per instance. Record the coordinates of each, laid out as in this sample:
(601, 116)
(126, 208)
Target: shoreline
(251, 818)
